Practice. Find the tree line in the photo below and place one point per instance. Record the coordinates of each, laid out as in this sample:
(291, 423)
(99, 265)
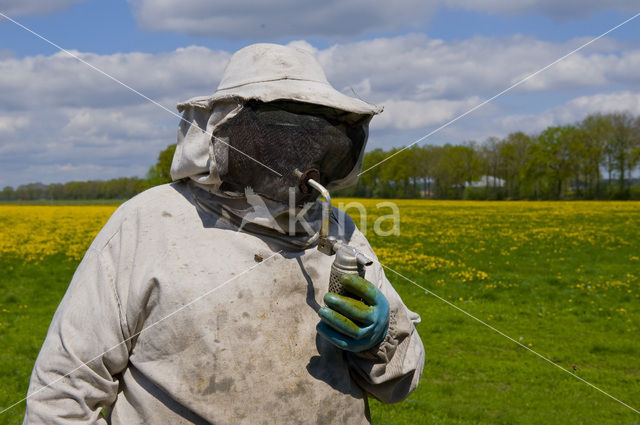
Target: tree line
(120, 188)
(596, 158)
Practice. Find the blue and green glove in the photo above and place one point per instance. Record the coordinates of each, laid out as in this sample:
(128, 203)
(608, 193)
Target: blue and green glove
(351, 324)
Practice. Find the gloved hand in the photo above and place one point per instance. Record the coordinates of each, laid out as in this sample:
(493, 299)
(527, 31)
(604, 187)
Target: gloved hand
(351, 324)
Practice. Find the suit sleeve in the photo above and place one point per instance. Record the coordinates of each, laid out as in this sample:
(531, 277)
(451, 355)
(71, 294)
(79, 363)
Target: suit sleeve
(73, 377)
(391, 371)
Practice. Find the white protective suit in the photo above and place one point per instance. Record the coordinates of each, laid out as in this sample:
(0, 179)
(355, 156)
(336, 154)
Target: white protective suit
(176, 317)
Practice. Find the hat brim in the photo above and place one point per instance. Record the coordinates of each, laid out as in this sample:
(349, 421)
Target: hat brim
(305, 91)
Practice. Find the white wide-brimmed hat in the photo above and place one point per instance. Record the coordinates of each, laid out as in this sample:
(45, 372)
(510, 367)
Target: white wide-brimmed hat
(269, 72)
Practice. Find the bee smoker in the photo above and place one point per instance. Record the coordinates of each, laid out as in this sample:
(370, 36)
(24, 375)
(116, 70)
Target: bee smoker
(348, 259)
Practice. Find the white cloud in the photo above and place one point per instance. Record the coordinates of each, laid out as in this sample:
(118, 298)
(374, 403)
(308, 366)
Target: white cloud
(56, 112)
(527, 123)
(105, 125)
(33, 7)
(337, 19)
(412, 67)
(558, 10)
(486, 123)
(5, 54)
(578, 108)
(62, 80)
(64, 172)
(10, 124)
(597, 69)
(278, 19)
(114, 142)
(570, 112)
(408, 114)
(416, 67)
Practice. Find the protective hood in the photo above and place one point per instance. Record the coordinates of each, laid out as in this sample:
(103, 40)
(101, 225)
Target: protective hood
(262, 76)
(269, 72)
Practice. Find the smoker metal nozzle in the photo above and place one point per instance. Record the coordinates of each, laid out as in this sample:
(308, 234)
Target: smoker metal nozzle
(363, 259)
(327, 244)
(308, 182)
(326, 207)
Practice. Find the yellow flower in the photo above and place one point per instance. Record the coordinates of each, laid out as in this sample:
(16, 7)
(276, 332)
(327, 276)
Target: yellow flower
(33, 233)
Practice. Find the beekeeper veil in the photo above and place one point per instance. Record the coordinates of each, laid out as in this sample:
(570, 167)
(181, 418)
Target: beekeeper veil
(274, 113)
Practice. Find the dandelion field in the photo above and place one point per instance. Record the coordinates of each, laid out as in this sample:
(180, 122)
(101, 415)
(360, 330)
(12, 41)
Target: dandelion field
(562, 278)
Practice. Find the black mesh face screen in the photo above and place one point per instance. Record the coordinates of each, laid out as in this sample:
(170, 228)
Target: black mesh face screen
(285, 140)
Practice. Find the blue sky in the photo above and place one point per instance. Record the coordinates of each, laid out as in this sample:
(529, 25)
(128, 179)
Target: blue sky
(426, 62)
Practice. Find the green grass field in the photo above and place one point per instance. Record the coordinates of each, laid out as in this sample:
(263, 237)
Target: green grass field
(560, 278)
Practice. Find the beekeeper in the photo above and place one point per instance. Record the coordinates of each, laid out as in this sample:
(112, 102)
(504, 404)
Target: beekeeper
(176, 315)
